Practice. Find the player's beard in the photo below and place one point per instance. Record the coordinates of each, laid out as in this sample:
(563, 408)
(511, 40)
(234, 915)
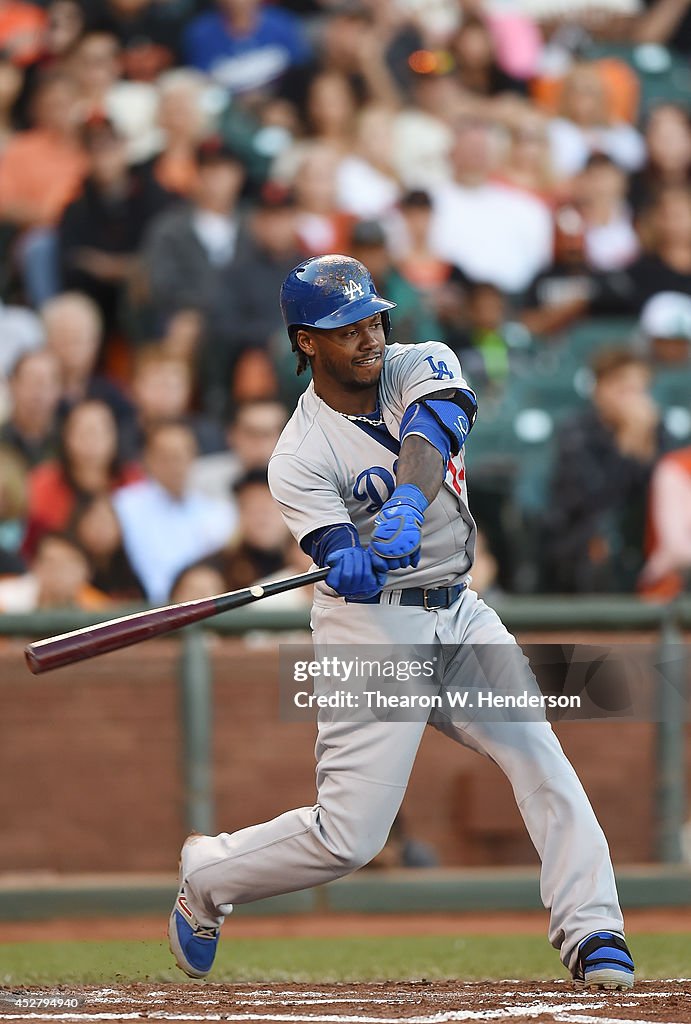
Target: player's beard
(350, 377)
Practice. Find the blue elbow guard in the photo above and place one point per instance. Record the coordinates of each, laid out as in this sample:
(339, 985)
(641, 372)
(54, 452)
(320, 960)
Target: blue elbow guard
(444, 422)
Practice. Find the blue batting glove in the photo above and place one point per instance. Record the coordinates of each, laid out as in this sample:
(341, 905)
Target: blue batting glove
(397, 536)
(356, 573)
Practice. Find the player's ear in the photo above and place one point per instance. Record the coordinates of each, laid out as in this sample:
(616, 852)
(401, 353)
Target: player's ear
(305, 343)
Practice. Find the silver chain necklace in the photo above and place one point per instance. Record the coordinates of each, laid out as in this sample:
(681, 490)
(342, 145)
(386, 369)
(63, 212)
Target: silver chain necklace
(366, 417)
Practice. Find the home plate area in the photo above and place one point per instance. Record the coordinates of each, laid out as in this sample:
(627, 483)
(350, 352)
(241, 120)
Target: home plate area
(407, 1003)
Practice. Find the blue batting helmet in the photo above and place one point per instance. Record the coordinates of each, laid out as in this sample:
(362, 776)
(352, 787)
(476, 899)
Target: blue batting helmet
(331, 291)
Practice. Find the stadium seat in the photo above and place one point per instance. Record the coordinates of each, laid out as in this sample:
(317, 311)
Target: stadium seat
(585, 340)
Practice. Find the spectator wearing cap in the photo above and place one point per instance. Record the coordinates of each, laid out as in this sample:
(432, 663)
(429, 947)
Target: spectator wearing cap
(40, 172)
(101, 230)
(190, 256)
(245, 46)
(605, 456)
(415, 320)
(488, 231)
(665, 324)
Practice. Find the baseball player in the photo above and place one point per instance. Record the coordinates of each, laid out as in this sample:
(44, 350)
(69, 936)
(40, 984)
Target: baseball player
(370, 477)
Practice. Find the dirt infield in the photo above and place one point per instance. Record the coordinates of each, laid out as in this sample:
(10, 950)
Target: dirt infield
(406, 1003)
(420, 1002)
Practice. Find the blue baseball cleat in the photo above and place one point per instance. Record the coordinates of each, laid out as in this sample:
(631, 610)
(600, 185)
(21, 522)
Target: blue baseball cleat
(192, 944)
(604, 961)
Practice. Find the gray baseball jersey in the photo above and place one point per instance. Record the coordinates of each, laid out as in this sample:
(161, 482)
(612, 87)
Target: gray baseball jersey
(328, 469)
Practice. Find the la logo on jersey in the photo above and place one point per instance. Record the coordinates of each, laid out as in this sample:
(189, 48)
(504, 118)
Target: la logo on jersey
(352, 289)
(440, 369)
(375, 485)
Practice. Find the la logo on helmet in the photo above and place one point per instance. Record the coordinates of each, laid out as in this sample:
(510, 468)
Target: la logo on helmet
(352, 289)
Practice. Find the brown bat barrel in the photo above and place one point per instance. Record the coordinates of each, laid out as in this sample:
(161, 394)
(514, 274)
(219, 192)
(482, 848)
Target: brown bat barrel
(57, 651)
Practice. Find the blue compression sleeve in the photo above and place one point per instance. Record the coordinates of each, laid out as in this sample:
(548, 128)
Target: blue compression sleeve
(321, 542)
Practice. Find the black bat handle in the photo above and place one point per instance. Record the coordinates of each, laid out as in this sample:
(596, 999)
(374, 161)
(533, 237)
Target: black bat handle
(237, 598)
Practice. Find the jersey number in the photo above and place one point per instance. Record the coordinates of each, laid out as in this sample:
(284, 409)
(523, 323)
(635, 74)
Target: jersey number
(457, 475)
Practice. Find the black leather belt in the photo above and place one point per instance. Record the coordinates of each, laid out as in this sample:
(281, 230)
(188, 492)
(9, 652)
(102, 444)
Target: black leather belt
(419, 597)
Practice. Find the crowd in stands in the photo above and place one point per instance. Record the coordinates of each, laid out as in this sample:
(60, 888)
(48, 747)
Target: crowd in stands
(517, 177)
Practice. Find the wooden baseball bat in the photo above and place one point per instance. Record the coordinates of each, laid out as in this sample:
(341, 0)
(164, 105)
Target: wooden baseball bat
(56, 651)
